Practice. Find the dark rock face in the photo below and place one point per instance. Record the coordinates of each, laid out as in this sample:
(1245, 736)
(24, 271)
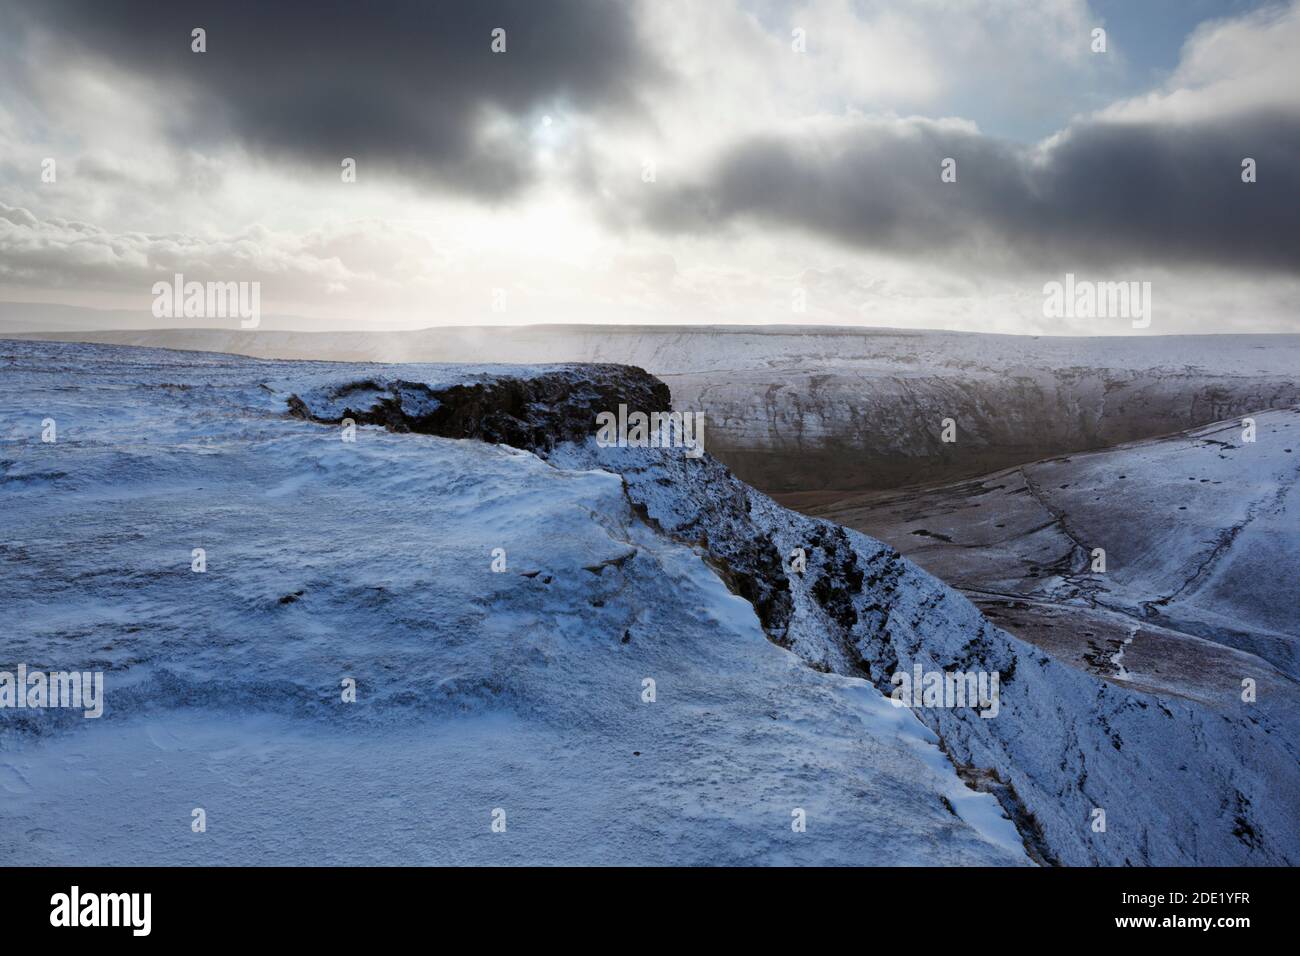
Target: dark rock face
(533, 411)
(747, 560)
(838, 577)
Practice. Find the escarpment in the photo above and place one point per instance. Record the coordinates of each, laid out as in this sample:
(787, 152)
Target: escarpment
(1061, 743)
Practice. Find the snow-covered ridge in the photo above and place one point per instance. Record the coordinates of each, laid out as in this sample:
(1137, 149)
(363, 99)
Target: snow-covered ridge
(371, 559)
(1066, 742)
(522, 691)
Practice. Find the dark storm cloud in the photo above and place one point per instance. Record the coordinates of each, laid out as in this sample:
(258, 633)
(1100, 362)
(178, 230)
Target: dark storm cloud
(404, 84)
(1104, 193)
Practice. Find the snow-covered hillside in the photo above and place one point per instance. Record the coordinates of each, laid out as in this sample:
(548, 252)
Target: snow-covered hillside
(1201, 539)
(520, 690)
(524, 690)
(800, 409)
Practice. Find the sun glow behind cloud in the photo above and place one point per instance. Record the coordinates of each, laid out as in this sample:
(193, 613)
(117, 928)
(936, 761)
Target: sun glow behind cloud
(675, 162)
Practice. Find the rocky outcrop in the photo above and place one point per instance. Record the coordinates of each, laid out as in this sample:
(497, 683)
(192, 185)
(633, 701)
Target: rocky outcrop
(532, 408)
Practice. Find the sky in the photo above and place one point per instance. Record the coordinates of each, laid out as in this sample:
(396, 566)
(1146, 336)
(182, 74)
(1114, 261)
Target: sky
(667, 161)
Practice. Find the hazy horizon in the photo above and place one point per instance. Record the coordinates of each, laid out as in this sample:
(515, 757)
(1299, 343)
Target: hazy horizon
(306, 325)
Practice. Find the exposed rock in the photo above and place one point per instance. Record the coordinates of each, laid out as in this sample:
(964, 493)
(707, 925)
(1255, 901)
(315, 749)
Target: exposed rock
(533, 410)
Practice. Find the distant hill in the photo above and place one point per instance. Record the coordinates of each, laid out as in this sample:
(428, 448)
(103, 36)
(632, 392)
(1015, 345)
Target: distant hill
(817, 409)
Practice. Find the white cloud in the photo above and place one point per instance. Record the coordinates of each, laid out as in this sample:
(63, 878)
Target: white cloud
(1227, 66)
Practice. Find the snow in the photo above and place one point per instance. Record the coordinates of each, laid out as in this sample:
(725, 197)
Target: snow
(477, 690)
(1200, 531)
(522, 690)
